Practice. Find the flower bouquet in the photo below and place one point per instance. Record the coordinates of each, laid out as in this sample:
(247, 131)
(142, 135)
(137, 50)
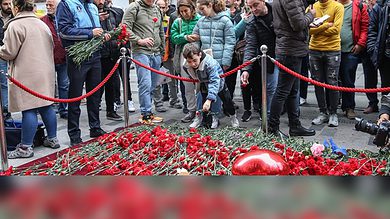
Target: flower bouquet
(149, 150)
(83, 50)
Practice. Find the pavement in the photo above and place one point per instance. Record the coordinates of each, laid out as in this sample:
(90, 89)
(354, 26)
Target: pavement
(344, 135)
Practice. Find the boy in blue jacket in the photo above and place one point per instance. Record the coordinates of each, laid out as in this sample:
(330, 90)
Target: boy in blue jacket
(204, 68)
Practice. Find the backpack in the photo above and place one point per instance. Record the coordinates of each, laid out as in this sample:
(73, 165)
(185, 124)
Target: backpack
(239, 50)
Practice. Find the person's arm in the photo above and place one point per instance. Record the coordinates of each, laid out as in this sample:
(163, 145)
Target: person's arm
(362, 41)
(214, 81)
(12, 43)
(298, 19)
(335, 29)
(251, 45)
(373, 29)
(66, 27)
(129, 19)
(177, 37)
(230, 42)
(317, 30)
(239, 29)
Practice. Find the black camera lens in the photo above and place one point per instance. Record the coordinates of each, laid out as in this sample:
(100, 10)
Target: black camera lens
(366, 126)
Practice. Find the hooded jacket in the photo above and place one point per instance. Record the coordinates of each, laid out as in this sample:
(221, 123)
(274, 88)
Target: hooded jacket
(217, 33)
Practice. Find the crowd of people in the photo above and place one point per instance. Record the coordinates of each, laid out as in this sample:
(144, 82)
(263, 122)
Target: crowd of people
(196, 39)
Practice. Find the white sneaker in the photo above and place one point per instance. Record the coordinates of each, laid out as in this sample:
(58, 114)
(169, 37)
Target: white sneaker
(197, 120)
(215, 122)
(322, 118)
(234, 121)
(302, 101)
(333, 120)
(131, 106)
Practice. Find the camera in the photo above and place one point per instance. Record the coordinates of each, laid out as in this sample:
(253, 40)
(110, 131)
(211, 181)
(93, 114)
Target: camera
(381, 131)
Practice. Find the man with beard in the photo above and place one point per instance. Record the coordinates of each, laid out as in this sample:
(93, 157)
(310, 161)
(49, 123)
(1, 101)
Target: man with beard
(59, 56)
(6, 15)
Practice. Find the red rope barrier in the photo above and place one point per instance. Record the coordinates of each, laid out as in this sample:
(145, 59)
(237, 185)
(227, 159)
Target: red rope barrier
(328, 86)
(189, 79)
(76, 99)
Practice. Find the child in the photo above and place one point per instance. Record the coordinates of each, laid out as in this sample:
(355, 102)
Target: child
(204, 68)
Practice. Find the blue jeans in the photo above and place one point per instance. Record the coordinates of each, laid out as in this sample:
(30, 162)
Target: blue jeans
(272, 82)
(215, 107)
(348, 66)
(63, 86)
(30, 123)
(4, 84)
(147, 80)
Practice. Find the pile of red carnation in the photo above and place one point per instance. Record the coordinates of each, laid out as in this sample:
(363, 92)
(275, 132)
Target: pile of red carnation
(148, 150)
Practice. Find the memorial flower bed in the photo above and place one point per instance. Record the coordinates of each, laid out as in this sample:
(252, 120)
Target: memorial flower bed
(155, 150)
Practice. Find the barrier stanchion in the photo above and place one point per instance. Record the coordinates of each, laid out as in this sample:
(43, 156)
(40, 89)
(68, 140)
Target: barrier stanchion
(3, 139)
(125, 83)
(264, 122)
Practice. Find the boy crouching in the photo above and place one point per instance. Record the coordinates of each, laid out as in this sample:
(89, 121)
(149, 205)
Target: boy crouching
(203, 67)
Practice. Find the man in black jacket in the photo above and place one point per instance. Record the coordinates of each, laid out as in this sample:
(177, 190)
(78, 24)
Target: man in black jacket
(110, 18)
(259, 31)
(291, 28)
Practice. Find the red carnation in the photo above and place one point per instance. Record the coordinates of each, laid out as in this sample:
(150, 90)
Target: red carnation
(155, 19)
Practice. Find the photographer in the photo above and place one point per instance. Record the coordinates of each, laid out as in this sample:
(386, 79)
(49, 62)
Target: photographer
(384, 113)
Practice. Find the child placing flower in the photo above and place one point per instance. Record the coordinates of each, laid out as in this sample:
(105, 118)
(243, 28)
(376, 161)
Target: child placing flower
(204, 68)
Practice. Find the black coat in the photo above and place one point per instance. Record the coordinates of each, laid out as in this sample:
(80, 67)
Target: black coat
(257, 34)
(110, 49)
(1, 32)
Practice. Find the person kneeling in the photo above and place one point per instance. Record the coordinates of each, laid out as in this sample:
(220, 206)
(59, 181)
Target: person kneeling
(203, 67)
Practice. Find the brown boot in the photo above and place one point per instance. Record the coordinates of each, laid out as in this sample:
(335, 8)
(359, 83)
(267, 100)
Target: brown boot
(371, 109)
(350, 113)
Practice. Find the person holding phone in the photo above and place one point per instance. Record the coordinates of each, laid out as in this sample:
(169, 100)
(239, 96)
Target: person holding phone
(325, 57)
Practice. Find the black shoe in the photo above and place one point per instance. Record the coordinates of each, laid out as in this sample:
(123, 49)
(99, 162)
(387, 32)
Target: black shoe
(277, 133)
(113, 116)
(93, 133)
(165, 98)
(246, 116)
(75, 141)
(7, 116)
(185, 110)
(299, 130)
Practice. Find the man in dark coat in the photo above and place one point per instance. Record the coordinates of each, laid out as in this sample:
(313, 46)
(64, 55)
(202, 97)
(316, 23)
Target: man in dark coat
(291, 28)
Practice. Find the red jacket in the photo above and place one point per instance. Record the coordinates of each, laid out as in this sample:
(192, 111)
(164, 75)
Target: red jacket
(360, 20)
(59, 51)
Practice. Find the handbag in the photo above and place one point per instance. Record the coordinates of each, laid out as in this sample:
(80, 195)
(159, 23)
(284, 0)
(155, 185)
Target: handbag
(13, 133)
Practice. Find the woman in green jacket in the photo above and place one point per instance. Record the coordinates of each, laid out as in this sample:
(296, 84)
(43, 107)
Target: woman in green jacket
(181, 34)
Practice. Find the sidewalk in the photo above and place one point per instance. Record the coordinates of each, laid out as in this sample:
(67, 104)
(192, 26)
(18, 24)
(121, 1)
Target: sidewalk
(344, 135)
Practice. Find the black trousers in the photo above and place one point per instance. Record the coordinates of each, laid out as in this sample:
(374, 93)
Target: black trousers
(252, 92)
(117, 82)
(111, 85)
(286, 92)
(89, 72)
(232, 79)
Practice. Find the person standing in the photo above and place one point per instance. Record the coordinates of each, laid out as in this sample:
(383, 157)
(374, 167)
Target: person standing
(78, 20)
(259, 31)
(353, 44)
(325, 59)
(291, 28)
(109, 19)
(143, 19)
(59, 56)
(33, 65)
(5, 15)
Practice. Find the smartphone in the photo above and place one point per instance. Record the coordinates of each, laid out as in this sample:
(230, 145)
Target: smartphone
(321, 20)
(247, 9)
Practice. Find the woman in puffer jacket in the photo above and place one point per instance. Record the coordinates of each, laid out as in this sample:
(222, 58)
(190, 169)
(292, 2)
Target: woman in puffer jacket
(216, 35)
